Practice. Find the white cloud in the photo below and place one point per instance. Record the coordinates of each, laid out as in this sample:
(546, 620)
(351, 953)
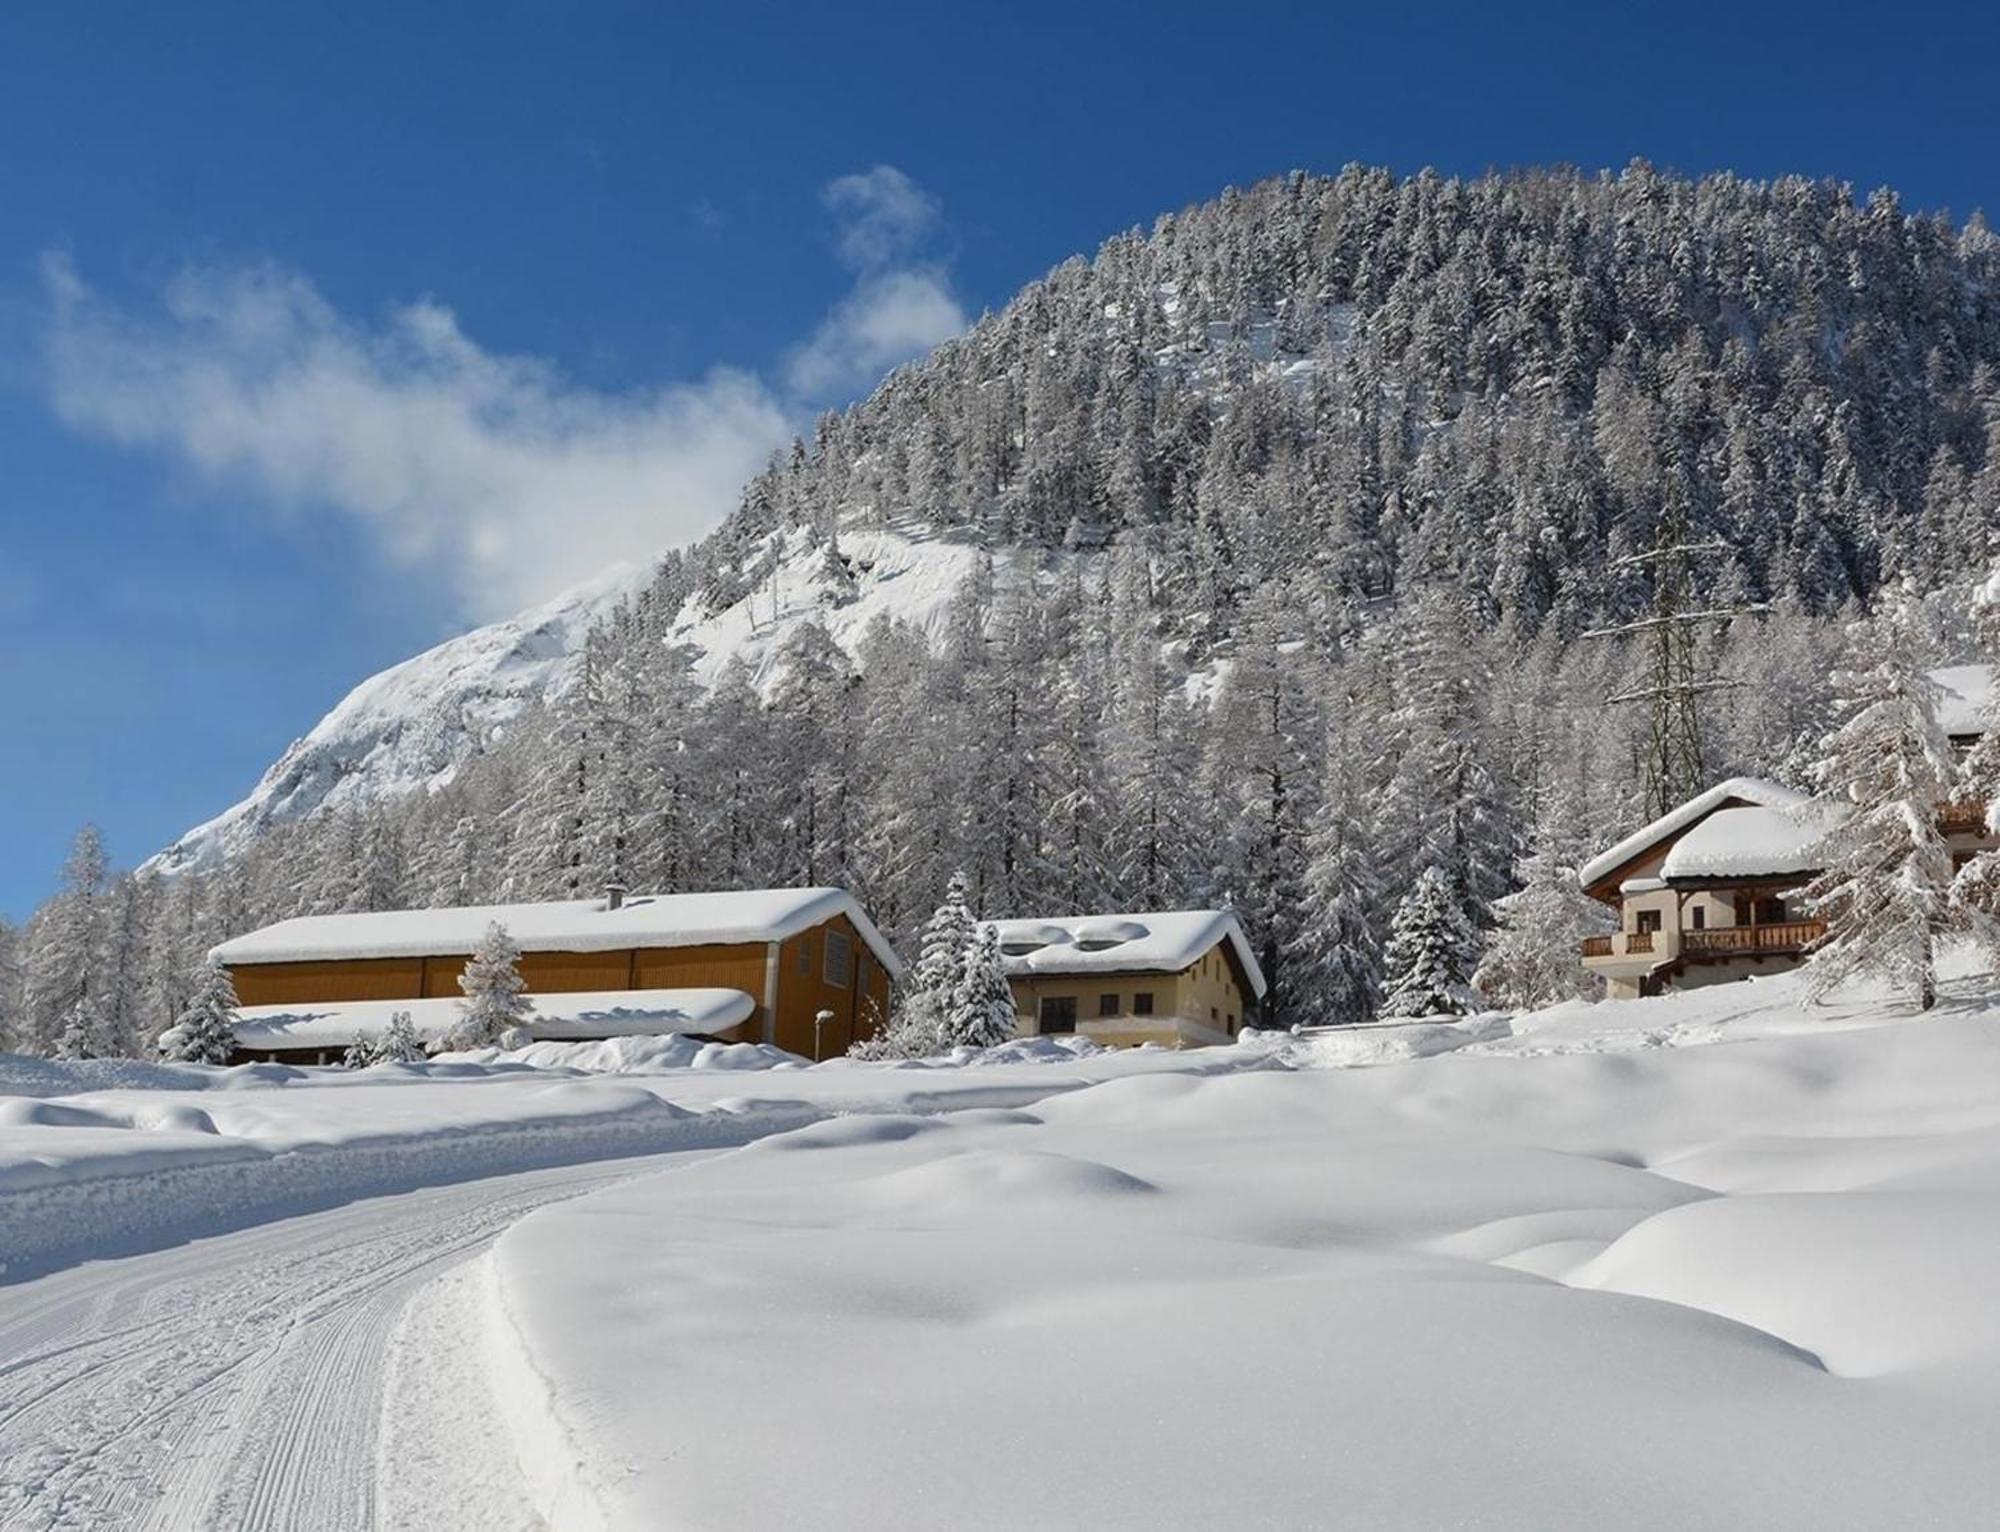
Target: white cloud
(888, 319)
(507, 477)
(882, 213)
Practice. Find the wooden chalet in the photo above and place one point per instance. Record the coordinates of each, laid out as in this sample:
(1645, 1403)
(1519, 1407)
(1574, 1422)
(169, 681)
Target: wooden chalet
(745, 966)
(1710, 892)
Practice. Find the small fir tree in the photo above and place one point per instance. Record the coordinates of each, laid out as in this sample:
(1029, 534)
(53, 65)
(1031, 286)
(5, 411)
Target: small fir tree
(947, 941)
(81, 1035)
(361, 1052)
(1430, 952)
(205, 1030)
(982, 1011)
(399, 1044)
(1885, 893)
(494, 1003)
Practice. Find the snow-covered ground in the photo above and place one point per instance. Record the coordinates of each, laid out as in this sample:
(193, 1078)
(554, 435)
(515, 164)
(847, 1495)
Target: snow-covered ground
(1720, 1259)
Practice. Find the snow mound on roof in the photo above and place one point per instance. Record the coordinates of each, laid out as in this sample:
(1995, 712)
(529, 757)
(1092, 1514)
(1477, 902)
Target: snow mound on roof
(1158, 942)
(569, 925)
(1754, 790)
(1749, 841)
(645, 1013)
(1967, 706)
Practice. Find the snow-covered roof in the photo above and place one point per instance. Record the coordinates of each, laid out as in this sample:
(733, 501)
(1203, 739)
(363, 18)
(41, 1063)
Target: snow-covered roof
(607, 1013)
(1969, 696)
(1751, 841)
(1754, 790)
(572, 925)
(1161, 941)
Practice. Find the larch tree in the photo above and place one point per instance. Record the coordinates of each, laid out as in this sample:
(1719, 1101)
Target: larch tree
(1885, 891)
(493, 1003)
(1531, 958)
(1432, 947)
(205, 1030)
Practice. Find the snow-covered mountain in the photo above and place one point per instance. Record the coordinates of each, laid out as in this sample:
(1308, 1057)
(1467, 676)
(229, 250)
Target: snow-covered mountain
(412, 726)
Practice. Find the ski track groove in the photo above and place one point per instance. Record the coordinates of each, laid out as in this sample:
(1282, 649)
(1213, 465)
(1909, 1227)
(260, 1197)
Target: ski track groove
(235, 1382)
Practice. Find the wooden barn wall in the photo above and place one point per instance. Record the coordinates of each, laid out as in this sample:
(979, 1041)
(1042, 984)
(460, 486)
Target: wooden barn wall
(350, 979)
(804, 991)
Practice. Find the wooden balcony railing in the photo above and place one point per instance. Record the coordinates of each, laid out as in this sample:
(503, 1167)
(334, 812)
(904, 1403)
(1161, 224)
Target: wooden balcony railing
(1639, 941)
(1962, 818)
(1597, 946)
(1781, 936)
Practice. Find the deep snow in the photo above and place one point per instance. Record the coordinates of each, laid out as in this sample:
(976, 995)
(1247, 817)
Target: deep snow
(1717, 1259)
(1713, 1260)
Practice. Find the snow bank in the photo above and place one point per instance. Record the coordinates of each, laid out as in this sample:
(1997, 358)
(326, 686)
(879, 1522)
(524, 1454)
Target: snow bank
(632, 1055)
(626, 1013)
(1582, 1270)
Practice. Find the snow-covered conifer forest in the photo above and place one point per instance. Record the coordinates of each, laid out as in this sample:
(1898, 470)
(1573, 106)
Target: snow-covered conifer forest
(1282, 525)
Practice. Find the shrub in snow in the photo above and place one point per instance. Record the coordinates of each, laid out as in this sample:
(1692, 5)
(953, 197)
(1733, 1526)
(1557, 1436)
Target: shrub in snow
(398, 1043)
(494, 1003)
(1885, 893)
(205, 1030)
(1430, 952)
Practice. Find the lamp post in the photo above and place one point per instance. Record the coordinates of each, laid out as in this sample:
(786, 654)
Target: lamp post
(820, 1019)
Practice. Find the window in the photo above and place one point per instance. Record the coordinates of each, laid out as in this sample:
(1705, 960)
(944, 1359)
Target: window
(1142, 1003)
(1232, 1023)
(1701, 917)
(1649, 920)
(1770, 912)
(839, 959)
(1214, 1014)
(1058, 1013)
(1107, 1005)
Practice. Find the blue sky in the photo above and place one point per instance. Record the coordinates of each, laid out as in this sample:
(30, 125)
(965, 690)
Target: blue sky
(314, 320)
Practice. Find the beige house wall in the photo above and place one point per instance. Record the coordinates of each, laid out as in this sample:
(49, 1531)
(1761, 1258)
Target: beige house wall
(1196, 1007)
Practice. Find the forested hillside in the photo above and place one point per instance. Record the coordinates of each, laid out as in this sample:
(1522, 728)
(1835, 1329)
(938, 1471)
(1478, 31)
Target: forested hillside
(1286, 523)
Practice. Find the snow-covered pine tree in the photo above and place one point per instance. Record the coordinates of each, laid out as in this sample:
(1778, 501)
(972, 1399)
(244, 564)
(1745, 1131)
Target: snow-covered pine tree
(982, 1010)
(205, 1030)
(491, 984)
(1430, 953)
(1885, 893)
(81, 1034)
(399, 1042)
(924, 1022)
(361, 1052)
(947, 943)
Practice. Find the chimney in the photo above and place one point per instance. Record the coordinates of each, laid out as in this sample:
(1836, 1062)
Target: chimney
(614, 896)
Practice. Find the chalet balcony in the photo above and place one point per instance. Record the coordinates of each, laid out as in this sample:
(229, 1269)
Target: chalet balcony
(1962, 819)
(1651, 949)
(1779, 936)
